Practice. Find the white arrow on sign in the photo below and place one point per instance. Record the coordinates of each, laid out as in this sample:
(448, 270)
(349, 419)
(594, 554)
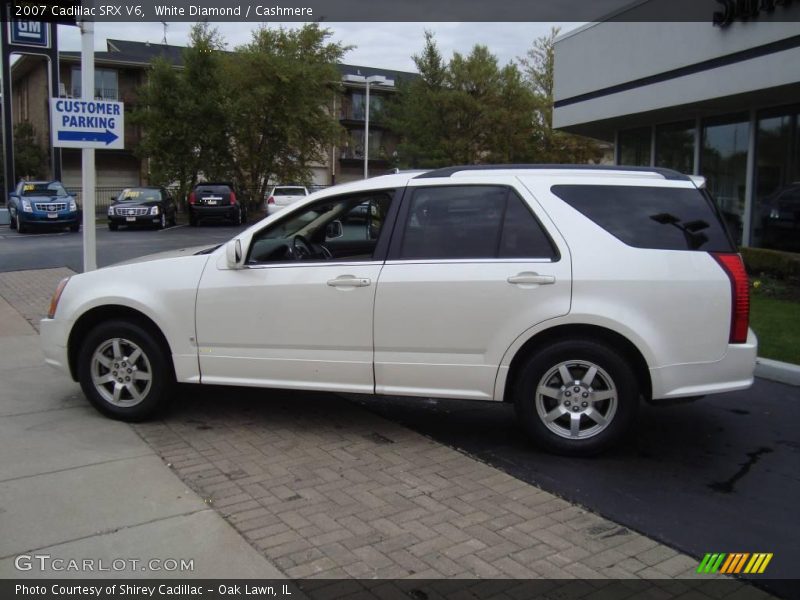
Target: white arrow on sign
(87, 124)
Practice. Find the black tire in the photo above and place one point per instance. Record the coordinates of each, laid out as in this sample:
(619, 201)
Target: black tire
(20, 226)
(173, 220)
(154, 358)
(577, 356)
(75, 227)
(113, 226)
(192, 220)
(237, 219)
(13, 222)
(162, 223)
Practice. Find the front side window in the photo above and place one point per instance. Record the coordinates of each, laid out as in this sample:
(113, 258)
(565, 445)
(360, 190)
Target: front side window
(340, 228)
(471, 222)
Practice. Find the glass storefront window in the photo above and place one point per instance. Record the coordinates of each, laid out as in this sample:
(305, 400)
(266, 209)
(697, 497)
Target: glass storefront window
(776, 211)
(634, 147)
(675, 146)
(723, 162)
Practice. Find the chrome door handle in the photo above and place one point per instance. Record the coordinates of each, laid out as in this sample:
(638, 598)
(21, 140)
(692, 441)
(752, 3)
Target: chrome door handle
(531, 279)
(349, 281)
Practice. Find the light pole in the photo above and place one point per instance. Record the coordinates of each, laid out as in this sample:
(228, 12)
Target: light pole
(380, 80)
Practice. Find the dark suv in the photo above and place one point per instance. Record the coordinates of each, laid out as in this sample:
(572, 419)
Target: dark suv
(212, 200)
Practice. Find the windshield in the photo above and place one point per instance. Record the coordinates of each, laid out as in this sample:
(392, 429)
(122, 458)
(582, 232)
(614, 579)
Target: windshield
(289, 191)
(43, 189)
(139, 195)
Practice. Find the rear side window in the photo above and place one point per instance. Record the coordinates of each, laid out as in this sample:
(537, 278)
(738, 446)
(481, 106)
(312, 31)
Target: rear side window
(471, 222)
(651, 217)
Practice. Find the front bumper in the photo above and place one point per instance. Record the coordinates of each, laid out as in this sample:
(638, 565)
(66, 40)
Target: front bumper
(135, 220)
(733, 372)
(62, 219)
(53, 337)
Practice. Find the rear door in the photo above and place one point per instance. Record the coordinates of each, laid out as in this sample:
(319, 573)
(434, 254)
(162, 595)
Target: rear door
(470, 268)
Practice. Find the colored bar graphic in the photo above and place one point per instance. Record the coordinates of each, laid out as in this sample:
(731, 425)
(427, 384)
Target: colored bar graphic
(735, 563)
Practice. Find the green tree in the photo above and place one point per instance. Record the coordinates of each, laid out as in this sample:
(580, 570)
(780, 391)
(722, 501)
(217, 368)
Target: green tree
(466, 111)
(278, 91)
(30, 157)
(552, 146)
(181, 115)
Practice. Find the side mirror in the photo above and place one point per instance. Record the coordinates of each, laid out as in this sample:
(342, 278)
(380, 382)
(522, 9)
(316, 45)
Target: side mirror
(234, 254)
(334, 230)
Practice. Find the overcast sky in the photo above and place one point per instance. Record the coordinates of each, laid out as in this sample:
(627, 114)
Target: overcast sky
(386, 45)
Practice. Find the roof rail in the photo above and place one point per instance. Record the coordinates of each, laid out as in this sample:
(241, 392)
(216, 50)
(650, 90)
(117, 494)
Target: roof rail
(450, 171)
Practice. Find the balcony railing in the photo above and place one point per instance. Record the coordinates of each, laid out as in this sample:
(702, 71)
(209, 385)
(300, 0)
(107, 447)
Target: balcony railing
(99, 93)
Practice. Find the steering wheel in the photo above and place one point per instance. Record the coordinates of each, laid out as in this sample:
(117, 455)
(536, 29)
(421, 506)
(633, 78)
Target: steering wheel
(301, 248)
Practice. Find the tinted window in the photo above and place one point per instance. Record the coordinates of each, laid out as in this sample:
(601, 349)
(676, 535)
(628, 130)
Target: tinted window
(212, 189)
(463, 222)
(651, 217)
(287, 191)
(523, 236)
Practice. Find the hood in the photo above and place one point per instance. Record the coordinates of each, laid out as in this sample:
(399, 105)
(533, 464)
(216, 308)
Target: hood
(45, 198)
(168, 254)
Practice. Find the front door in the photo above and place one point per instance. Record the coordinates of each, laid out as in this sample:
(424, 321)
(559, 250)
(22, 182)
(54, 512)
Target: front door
(299, 315)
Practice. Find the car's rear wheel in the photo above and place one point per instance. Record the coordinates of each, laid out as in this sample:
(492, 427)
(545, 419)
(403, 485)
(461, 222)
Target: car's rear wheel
(113, 226)
(576, 397)
(124, 370)
(192, 220)
(237, 217)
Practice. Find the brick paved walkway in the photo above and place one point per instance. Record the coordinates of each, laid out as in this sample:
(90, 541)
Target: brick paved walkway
(326, 489)
(29, 292)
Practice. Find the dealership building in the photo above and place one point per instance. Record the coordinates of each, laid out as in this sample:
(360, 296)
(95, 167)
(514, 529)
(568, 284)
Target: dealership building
(718, 101)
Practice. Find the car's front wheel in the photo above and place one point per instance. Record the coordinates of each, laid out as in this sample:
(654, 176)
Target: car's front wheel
(576, 397)
(19, 224)
(124, 370)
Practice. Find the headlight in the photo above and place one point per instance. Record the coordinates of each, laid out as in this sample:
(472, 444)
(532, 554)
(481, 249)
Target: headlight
(56, 297)
(110, 211)
(26, 205)
(73, 206)
(154, 210)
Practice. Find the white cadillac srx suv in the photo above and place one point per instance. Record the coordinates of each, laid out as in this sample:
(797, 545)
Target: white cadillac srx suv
(573, 292)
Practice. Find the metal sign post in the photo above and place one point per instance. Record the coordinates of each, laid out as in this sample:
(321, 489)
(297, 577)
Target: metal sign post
(87, 154)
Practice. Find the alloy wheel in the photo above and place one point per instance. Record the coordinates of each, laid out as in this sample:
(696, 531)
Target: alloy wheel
(121, 372)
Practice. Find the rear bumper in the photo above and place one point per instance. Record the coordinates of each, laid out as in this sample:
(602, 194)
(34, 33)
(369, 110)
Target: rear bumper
(227, 211)
(733, 372)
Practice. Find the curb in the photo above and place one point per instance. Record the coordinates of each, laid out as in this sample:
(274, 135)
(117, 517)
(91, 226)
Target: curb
(775, 370)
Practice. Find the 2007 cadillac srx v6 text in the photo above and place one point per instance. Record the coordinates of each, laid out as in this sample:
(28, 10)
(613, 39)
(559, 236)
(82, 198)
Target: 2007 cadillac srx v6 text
(573, 292)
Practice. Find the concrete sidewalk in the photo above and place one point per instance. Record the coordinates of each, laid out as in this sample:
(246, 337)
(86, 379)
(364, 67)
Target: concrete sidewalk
(74, 485)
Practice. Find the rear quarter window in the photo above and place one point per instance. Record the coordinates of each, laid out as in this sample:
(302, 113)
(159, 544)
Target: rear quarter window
(658, 218)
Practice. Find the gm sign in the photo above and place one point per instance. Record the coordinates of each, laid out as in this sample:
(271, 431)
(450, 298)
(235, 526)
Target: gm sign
(30, 33)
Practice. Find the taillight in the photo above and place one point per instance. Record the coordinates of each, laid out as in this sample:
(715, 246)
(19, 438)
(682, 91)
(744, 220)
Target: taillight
(233, 198)
(271, 200)
(191, 198)
(740, 295)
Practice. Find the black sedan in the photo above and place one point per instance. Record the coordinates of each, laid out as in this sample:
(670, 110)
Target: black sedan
(152, 206)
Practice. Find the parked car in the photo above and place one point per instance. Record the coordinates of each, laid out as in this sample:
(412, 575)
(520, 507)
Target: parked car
(37, 204)
(153, 206)
(211, 200)
(282, 196)
(574, 293)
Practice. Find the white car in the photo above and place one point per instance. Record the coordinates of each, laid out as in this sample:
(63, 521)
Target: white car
(282, 196)
(574, 293)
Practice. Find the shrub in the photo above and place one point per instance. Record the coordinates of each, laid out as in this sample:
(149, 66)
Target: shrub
(781, 265)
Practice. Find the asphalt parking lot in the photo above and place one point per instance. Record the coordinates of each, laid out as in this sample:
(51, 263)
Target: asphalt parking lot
(49, 249)
(719, 475)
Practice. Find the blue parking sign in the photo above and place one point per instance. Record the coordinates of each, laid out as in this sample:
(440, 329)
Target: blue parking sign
(30, 33)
